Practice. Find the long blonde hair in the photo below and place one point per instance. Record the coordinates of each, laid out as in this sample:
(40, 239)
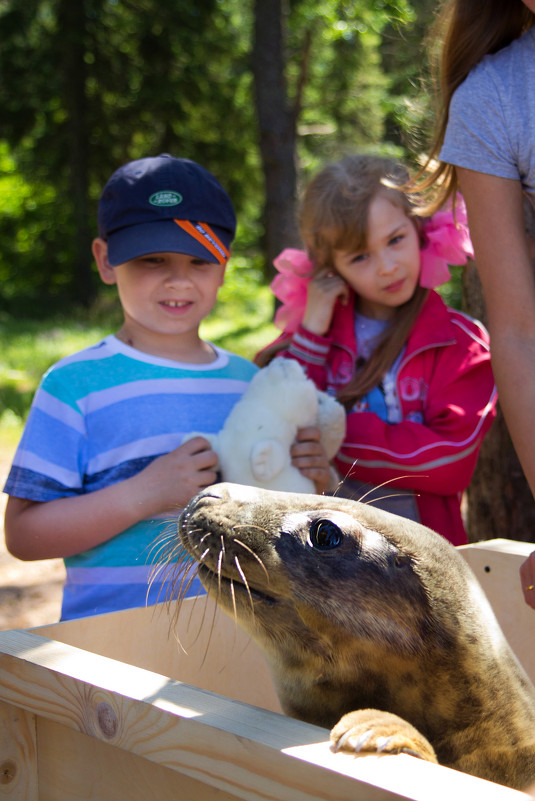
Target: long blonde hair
(464, 32)
(334, 216)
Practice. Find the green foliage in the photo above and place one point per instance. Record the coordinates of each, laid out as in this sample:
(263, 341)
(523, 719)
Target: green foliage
(87, 85)
(410, 111)
(452, 292)
(152, 77)
(348, 96)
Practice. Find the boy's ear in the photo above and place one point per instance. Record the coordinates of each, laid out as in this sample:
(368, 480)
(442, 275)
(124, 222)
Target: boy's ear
(100, 254)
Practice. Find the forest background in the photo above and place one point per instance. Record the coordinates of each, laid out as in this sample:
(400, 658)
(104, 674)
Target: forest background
(262, 93)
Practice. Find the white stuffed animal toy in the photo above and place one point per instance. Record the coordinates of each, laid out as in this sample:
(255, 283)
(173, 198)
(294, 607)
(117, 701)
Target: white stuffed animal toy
(253, 446)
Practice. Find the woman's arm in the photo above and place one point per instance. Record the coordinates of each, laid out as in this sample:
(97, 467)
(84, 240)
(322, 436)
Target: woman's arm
(497, 227)
(496, 217)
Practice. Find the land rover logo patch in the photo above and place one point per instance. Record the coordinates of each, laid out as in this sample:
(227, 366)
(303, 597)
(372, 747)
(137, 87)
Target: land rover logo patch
(165, 198)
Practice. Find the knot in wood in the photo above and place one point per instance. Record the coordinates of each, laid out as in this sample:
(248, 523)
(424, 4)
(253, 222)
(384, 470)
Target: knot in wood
(107, 720)
(8, 771)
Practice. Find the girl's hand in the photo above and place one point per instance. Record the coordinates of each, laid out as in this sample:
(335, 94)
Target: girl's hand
(323, 291)
(310, 459)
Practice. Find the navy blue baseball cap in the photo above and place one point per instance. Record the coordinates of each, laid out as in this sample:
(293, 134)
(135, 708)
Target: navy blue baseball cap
(165, 204)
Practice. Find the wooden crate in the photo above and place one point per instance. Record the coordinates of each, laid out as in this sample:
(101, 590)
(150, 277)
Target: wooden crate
(113, 708)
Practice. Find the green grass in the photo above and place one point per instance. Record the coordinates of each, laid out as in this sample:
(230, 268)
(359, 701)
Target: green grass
(241, 322)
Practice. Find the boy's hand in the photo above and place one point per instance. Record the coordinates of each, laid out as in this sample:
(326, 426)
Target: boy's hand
(70, 525)
(310, 459)
(174, 478)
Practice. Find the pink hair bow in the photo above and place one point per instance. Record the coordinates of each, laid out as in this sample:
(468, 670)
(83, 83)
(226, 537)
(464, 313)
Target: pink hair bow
(447, 241)
(290, 287)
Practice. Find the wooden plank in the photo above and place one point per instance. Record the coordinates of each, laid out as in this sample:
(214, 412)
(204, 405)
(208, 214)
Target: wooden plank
(194, 642)
(18, 754)
(77, 767)
(230, 746)
(496, 564)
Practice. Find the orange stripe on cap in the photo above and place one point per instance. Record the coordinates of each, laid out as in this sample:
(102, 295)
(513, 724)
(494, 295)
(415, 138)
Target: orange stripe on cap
(208, 239)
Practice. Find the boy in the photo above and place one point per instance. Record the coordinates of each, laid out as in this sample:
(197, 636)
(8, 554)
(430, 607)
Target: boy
(100, 471)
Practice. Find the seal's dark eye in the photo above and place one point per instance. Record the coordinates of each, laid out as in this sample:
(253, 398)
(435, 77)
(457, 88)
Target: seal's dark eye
(324, 535)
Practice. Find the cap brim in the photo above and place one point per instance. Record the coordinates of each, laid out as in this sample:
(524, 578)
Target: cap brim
(164, 236)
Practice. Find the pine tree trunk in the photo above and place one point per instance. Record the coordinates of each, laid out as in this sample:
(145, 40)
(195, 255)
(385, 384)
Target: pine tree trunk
(72, 19)
(500, 503)
(277, 130)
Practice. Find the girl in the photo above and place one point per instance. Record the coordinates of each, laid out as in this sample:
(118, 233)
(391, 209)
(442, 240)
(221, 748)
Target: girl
(485, 139)
(358, 314)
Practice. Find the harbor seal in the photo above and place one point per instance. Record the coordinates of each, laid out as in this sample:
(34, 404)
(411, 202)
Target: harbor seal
(372, 625)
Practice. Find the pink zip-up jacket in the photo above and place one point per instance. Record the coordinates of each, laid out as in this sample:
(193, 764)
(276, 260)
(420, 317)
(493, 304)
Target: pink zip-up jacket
(448, 401)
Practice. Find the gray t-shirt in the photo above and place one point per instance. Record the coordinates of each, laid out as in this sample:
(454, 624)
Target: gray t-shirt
(491, 127)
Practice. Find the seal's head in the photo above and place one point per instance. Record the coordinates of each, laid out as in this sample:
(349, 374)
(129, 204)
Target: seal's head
(325, 584)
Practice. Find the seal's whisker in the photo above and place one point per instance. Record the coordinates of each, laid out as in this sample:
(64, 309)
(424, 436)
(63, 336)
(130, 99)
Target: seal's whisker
(161, 542)
(177, 637)
(158, 553)
(160, 556)
(212, 627)
(233, 596)
(178, 587)
(182, 580)
(378, 486)
(176, 566)
(245, 582)
(198, 597)
(158, 571)
(382, 498)
(372, 489)
(342, 479)
(172, 555)
(338, 486)
(260, 562)
(166, 568)
(219, 563)
(174, 624)
(187, 575)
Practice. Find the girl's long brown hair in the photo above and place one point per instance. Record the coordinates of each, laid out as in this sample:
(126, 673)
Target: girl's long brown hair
(464, 32)
(334, 216)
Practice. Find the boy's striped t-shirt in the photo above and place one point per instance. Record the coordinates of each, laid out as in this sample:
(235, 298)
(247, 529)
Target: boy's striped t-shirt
(101, 416)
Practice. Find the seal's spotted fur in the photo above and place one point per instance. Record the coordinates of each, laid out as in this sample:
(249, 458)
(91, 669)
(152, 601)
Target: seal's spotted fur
(357, 609)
